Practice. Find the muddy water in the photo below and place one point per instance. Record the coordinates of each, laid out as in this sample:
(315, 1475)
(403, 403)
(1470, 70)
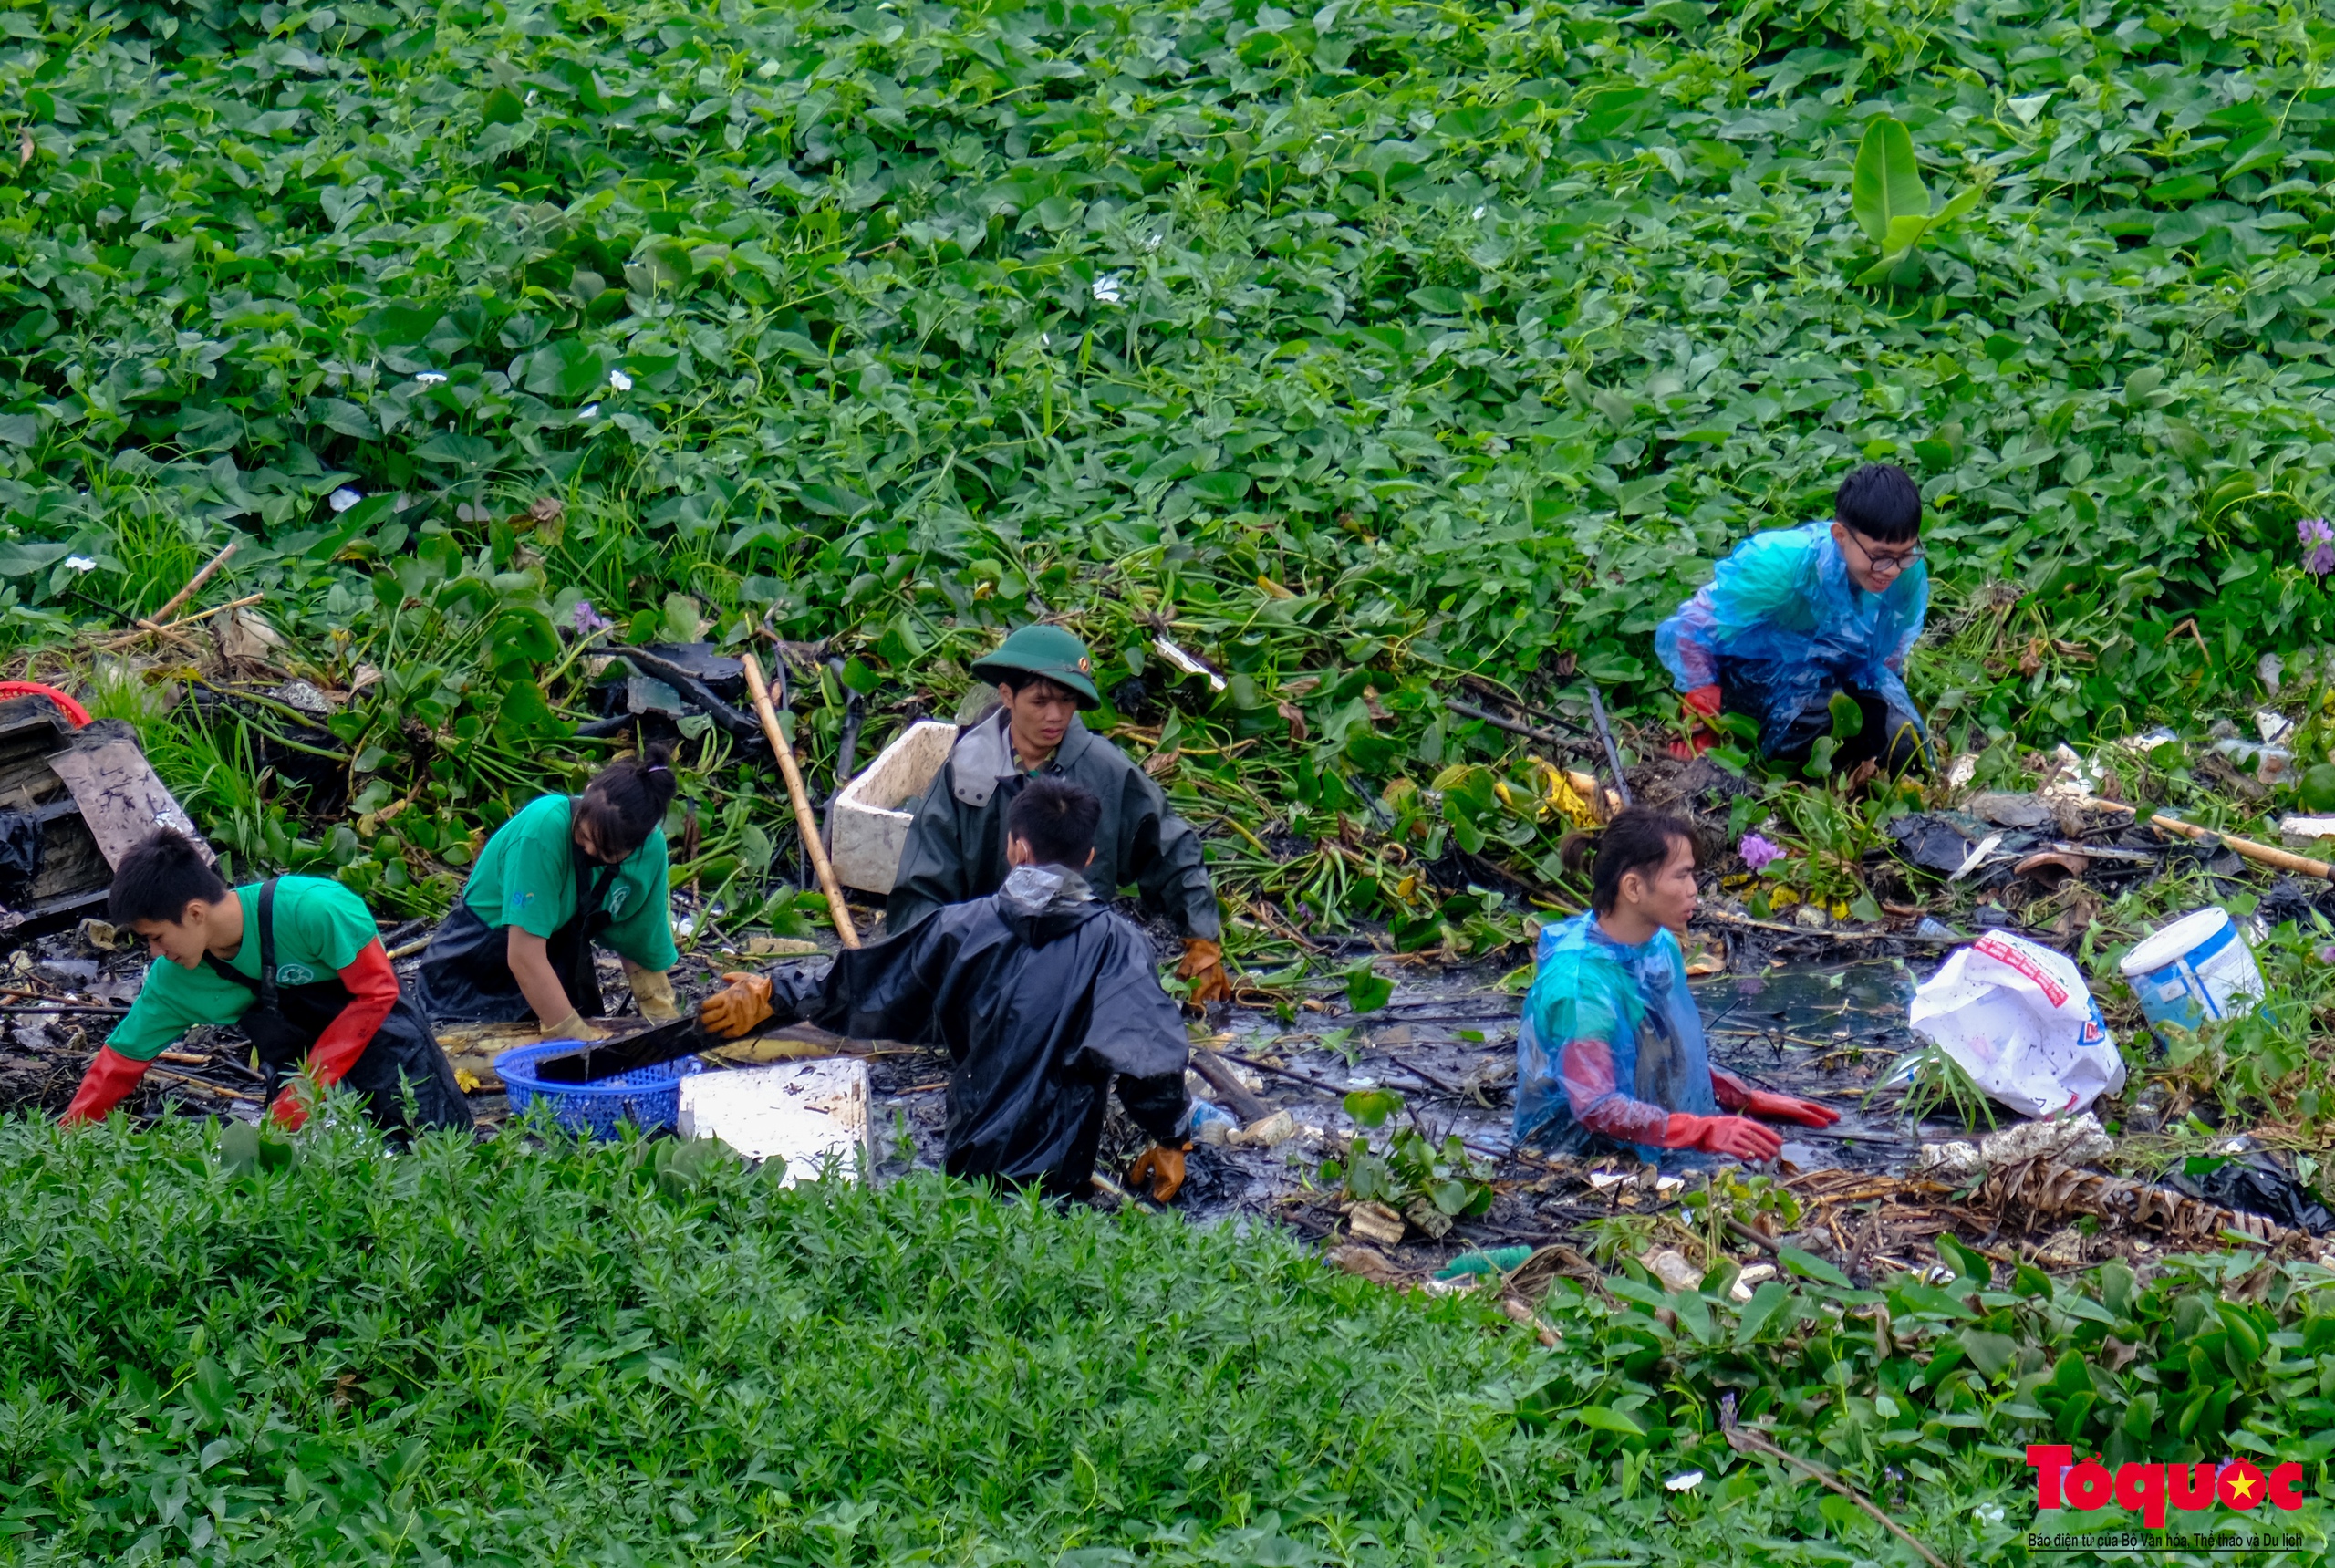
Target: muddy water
(1447, 1042)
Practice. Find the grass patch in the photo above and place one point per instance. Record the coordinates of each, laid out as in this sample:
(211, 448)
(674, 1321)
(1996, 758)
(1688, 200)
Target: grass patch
(507, 1352)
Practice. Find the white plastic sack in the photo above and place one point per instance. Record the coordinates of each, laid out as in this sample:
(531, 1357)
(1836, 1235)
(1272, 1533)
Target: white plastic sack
(2021, 1020)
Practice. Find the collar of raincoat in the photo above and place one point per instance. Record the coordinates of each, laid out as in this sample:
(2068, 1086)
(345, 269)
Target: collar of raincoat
(1044, 889)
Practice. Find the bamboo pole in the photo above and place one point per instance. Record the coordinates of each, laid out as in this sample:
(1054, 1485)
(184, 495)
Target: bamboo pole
(188, 592)
(805, 823)
(173, 627)
(2268, 855)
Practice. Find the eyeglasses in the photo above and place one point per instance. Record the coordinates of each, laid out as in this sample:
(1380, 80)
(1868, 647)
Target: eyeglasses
(1887, 565)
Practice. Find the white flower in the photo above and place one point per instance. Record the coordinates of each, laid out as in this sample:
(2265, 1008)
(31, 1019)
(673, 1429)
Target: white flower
(1685, 1481)
(1106, 288)
(588, 411)
(1153, 243)
(345, 497)
(620, 380)
(430, 378)
(81, 563)
(1990, 1513)
(1478, 212)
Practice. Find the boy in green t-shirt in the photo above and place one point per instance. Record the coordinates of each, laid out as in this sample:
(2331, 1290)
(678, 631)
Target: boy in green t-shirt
(294, 961)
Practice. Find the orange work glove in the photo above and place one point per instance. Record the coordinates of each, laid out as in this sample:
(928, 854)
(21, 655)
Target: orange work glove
(1704, 702)
(1203, 965)
(738, 1007)
(1161, 1166)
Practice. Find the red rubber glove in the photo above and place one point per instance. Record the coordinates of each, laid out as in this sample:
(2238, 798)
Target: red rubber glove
(1739, 1135)
(1789, 1108)
(111, 1077)
(1703, 702)
(1734, 1095)
(373, 991)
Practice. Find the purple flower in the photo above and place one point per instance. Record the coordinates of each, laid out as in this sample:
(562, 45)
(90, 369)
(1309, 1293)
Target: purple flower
(588, 620)
(2317, 533)
(1757, 853)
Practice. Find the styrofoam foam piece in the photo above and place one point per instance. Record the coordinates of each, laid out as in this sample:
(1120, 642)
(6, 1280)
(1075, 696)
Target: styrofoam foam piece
(867, 827)
(800, 1112)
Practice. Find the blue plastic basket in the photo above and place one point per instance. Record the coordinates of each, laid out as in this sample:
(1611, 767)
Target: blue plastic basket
(648, 1097)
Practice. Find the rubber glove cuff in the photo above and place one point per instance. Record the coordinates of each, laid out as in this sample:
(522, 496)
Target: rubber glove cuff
(111, 1077)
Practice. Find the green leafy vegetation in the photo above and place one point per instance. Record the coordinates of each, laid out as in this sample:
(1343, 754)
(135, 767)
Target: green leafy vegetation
(1351, 349)
(503, 1353)
(1411, 1173)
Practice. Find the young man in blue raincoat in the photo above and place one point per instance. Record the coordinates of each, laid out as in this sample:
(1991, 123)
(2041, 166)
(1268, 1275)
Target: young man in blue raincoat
(1796, 617)
(1609, 1055)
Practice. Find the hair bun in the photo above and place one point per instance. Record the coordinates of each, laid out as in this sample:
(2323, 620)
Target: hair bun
(1577, 850)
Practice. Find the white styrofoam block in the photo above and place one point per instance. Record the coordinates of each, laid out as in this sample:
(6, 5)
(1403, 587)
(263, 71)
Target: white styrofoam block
(867, 827)
(800, 1112)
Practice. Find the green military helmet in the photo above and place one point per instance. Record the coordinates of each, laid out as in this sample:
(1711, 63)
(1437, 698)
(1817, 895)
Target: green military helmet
(1046, 651)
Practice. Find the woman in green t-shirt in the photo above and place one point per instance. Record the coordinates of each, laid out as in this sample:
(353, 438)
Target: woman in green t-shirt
(566, 872)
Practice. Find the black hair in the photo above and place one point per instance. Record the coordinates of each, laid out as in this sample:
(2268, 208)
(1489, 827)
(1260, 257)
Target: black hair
(1639, 839)
(1881, 502)
(1057, 820)
(162, 875)
(626, 800)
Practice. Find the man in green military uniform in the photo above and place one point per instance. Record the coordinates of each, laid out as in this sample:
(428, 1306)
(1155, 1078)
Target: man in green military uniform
(956, 847)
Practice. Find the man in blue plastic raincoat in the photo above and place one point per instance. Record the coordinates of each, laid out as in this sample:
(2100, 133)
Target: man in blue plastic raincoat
(1796, 617)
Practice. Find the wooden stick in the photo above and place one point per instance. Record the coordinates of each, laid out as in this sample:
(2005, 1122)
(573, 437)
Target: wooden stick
(1238, 1094)
(1515, 727)
(2283, 859)
(805, 823)
(202, 1084)
(171, 629)
(188, 592)
(1606, 739)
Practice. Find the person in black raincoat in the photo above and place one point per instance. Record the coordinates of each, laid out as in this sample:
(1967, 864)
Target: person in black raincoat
(956, 843)
(1040, 993)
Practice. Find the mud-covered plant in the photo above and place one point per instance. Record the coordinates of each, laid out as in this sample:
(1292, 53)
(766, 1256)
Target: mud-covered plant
(1404, 1167)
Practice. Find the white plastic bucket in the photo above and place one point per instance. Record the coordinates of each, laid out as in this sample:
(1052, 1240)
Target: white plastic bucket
(2198, 970)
